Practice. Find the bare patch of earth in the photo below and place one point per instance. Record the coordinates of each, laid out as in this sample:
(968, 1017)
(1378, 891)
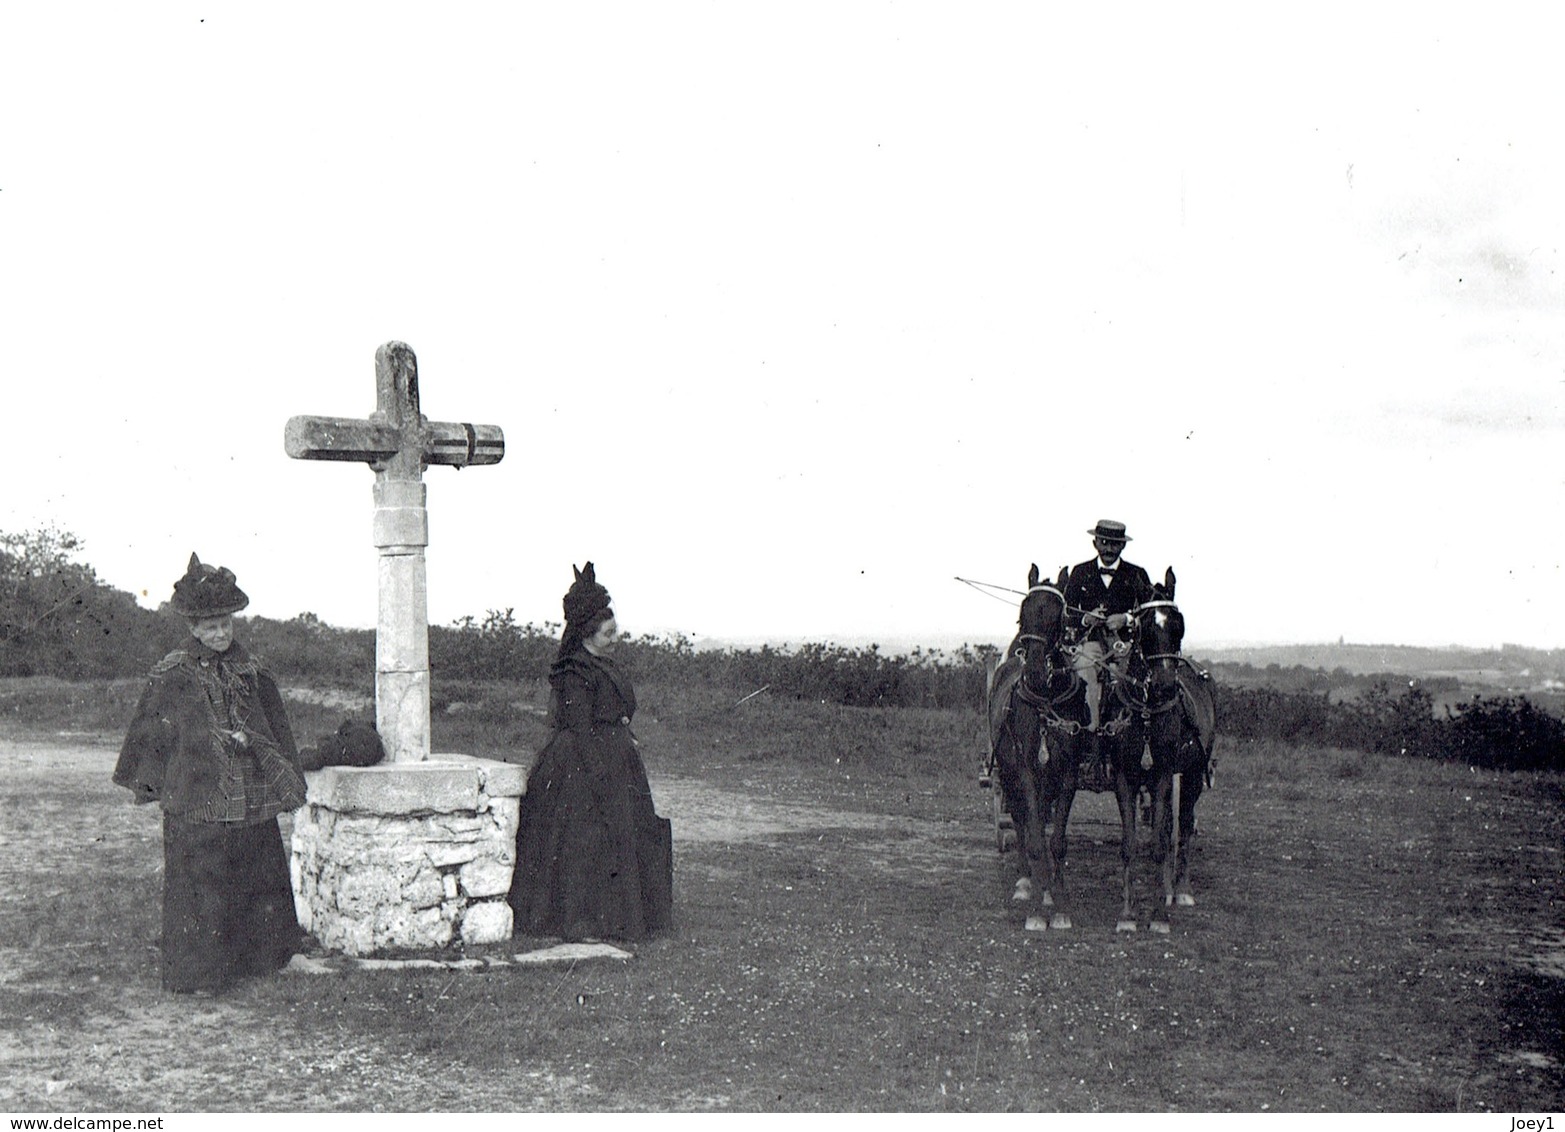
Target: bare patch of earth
(154, 1051)
(330, 698)
(72, 1039)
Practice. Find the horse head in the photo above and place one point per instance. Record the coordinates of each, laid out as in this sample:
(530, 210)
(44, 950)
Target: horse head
(1042, 625)
(1160, 634)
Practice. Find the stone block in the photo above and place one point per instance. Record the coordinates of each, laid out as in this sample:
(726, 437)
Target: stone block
(502, 780)
(365, 890)
(402, 713)
(395, 788)
(425, 890)
(486, 878)
(303, 890)
(459, 827)
(400, 526)
(447, 855)
(487, 922)
(505, 813)
(402, 645)
(399, 926)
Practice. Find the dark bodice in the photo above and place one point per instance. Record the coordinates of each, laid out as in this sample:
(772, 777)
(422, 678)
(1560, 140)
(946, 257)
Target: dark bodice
(589, 694)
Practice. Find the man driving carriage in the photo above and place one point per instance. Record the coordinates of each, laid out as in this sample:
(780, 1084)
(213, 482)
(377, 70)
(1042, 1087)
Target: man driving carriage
(1099, 595)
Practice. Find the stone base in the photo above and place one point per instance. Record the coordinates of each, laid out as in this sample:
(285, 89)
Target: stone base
(561, 954)
(407, 855)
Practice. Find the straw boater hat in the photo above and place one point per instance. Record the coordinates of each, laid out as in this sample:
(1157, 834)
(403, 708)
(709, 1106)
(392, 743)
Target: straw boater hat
(207, 591)
(1109, 529)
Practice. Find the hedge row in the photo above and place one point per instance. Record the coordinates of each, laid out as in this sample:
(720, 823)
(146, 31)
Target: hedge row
(57, 619)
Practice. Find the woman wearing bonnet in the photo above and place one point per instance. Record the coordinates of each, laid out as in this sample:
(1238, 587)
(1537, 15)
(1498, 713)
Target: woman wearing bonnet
(211, 744)
(593, 859)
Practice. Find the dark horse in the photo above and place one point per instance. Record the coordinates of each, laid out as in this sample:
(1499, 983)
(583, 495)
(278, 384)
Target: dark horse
(1036, 715)
(1177, 709)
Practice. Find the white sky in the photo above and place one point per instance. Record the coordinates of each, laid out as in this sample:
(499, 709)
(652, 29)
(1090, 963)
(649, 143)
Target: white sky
(792, 313)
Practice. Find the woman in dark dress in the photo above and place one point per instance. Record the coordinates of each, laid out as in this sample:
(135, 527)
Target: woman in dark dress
(593, 859)
(211, 744)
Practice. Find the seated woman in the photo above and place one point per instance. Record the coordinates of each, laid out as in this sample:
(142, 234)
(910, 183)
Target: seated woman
(593, 859)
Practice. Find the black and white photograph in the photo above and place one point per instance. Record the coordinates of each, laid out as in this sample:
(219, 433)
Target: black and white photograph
(767, 558)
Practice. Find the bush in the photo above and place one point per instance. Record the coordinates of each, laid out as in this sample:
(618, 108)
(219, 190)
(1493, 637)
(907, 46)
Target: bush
(1508, 733)
(306, 650)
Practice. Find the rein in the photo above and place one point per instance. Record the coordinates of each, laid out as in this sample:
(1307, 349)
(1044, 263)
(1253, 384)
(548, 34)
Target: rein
(1045, 707)
(1144, 705)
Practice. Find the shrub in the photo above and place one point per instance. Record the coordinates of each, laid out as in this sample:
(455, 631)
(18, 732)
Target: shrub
(1508, 733)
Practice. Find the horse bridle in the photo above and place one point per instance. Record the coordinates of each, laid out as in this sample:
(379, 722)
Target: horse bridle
(1143, 703)
(1044, 705)
(1042, 640)
(1150, 657)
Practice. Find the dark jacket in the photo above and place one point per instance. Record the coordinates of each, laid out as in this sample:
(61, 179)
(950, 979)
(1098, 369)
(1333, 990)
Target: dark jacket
(179, 750)
(589, 694)
(1085, 591)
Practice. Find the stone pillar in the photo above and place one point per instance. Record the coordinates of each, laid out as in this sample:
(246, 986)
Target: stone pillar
(407, 855)
(401, 531)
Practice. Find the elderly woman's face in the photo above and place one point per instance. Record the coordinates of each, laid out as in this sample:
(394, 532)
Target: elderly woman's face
(603, 639)
(216, 633)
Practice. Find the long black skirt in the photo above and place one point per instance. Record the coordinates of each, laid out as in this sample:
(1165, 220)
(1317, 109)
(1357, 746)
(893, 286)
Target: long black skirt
(227, 903)
(593, 859)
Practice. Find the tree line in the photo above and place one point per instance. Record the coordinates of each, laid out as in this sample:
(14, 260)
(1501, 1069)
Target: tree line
(57, 618)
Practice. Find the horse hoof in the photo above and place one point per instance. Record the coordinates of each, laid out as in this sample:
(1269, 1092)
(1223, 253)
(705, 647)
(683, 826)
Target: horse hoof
(1185, 900)
(1037, 924)
(1160, 927)
(1022, 892)
(1125, 926)
(1060, 921)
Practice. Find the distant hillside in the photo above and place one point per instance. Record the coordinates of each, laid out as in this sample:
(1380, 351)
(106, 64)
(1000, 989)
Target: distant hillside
(1512, 668)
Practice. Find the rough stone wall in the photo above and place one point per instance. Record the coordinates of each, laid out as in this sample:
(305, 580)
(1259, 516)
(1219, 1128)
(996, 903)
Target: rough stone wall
(376, 867)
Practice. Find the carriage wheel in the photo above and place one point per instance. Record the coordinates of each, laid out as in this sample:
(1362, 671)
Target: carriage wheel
(1004, 828)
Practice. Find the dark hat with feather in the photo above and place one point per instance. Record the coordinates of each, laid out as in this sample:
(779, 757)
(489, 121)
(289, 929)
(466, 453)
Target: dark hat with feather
(586, 598)
(208, 591)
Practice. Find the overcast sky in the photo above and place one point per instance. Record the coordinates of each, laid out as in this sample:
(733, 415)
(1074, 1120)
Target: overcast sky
(794, 313)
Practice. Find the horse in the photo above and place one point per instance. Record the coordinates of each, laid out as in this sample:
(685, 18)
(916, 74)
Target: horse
(1043, 749)
(1106, 759)
(1021, 692)
(1177, 709)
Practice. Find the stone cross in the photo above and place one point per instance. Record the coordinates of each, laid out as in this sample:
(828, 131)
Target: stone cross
(398, 442)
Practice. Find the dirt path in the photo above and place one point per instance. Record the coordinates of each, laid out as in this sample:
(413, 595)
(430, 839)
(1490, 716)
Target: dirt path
(150, 1048)
(84, 1026)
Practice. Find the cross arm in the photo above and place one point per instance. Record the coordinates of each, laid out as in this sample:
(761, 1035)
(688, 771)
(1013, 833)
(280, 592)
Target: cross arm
(338, 438)
(460, 445)
(370, 442)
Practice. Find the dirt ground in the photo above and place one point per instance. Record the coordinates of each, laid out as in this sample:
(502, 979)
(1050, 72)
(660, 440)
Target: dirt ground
(84, 1026)
(141, 1035)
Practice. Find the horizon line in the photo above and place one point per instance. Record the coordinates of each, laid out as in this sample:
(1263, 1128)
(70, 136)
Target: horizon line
(943, 641)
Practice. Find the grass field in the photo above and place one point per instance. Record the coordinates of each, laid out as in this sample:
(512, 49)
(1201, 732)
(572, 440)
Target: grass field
(1372, 934)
